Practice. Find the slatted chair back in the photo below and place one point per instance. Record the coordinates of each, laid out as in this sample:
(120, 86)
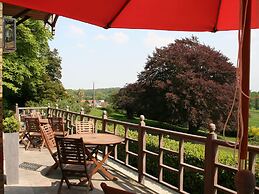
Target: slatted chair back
(72, 161)
(84, 127)
(33, 132)
(32, 124)
(57, 124)
(49, 137)
(71, 151)
(35, 114)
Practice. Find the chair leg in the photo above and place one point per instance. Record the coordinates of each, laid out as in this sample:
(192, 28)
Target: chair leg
(91, 185)
(67, 182)
(42, 145)
(28, 145)
(60, 185)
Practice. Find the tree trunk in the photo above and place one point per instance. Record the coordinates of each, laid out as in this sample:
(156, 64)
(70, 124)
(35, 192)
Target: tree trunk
(257, 104)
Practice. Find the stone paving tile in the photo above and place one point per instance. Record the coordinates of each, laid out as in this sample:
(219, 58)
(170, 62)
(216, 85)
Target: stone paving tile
(36, 182)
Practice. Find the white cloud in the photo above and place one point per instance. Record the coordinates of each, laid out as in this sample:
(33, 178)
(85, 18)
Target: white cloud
(76, 30)
(155, 40)
(118, 37)
(100, 37)
(80, 45)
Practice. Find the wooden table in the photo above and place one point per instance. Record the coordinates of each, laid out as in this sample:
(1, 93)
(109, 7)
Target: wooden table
(99, 139)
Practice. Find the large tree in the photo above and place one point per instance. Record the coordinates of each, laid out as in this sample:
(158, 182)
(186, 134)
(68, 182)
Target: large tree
(184, 83)
(33, 71)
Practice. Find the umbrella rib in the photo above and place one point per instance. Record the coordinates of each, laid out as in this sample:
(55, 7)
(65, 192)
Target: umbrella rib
(217, 17)
(108, 25)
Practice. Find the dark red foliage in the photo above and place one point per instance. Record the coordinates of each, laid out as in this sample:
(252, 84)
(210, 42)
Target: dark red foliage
(184, 83)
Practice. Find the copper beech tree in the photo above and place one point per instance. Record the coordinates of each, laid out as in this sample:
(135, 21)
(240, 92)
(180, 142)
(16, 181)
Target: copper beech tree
(186, 83)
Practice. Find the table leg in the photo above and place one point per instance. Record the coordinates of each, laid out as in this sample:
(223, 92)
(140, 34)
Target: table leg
(99, 165)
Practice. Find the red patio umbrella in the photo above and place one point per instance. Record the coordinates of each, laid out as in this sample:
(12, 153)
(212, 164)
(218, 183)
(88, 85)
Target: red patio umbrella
(178, 15)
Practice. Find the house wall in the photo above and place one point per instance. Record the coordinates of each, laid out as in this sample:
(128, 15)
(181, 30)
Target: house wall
(1, 102)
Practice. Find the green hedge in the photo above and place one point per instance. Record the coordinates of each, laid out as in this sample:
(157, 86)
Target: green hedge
(194, 155)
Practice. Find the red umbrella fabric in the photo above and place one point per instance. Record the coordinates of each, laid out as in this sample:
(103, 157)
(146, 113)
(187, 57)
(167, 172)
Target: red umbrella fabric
(179, 15)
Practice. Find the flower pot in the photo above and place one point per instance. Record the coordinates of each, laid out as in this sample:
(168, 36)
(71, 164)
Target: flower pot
(11, 157)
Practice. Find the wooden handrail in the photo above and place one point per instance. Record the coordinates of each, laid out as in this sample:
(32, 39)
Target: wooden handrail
(142, 132)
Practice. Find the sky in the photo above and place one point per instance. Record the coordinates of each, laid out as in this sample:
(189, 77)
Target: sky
(114, 57)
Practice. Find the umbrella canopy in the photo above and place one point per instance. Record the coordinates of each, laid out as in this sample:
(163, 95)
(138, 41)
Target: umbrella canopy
(179, 15)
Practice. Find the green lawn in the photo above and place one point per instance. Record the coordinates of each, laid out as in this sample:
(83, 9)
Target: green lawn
(121, 117)
(96, 112)
(254, 118)
(253, 121)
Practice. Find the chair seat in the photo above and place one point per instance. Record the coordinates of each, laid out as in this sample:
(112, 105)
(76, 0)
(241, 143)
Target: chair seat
(79, 168)
(73, 162)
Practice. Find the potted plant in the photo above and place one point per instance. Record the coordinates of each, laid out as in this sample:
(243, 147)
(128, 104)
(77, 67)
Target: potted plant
(11, 149)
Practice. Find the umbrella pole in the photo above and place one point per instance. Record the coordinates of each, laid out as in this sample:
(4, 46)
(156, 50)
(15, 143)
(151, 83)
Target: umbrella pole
(245, 180)
(245, 75)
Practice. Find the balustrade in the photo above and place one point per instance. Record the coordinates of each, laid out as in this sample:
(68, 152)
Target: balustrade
(135, 152)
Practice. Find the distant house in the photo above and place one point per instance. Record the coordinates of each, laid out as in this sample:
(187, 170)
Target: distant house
(97, 103)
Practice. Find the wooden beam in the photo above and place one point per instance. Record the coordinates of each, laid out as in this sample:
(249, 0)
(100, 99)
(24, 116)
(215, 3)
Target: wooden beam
(1, 103)
(22, 13)
(22, 20)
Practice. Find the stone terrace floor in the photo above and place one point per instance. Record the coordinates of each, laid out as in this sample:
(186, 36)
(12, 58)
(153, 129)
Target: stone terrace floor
(34, 181)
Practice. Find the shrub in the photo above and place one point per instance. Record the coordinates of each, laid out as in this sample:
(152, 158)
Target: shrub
(254, 131)
(194, 155)
(10, 124)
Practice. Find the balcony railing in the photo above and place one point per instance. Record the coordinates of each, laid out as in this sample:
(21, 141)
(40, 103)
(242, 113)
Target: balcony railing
(138, 153)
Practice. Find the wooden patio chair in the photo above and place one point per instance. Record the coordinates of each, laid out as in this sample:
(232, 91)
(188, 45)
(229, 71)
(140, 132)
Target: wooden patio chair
(49, 137)
(87, 127)
(111, 190)
(84, 127)
(57, 124)
(33, 132)
(35, 114)
(73, 162)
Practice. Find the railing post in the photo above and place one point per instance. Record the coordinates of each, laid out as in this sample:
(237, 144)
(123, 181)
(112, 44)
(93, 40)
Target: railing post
(82, 111)
(55, 111)
(141, 149)
(48, 111)
(17, 112)
(104, 123)
(104, 117)
(252, 162)
(67, 109)
(68, 121)
(210, 171)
